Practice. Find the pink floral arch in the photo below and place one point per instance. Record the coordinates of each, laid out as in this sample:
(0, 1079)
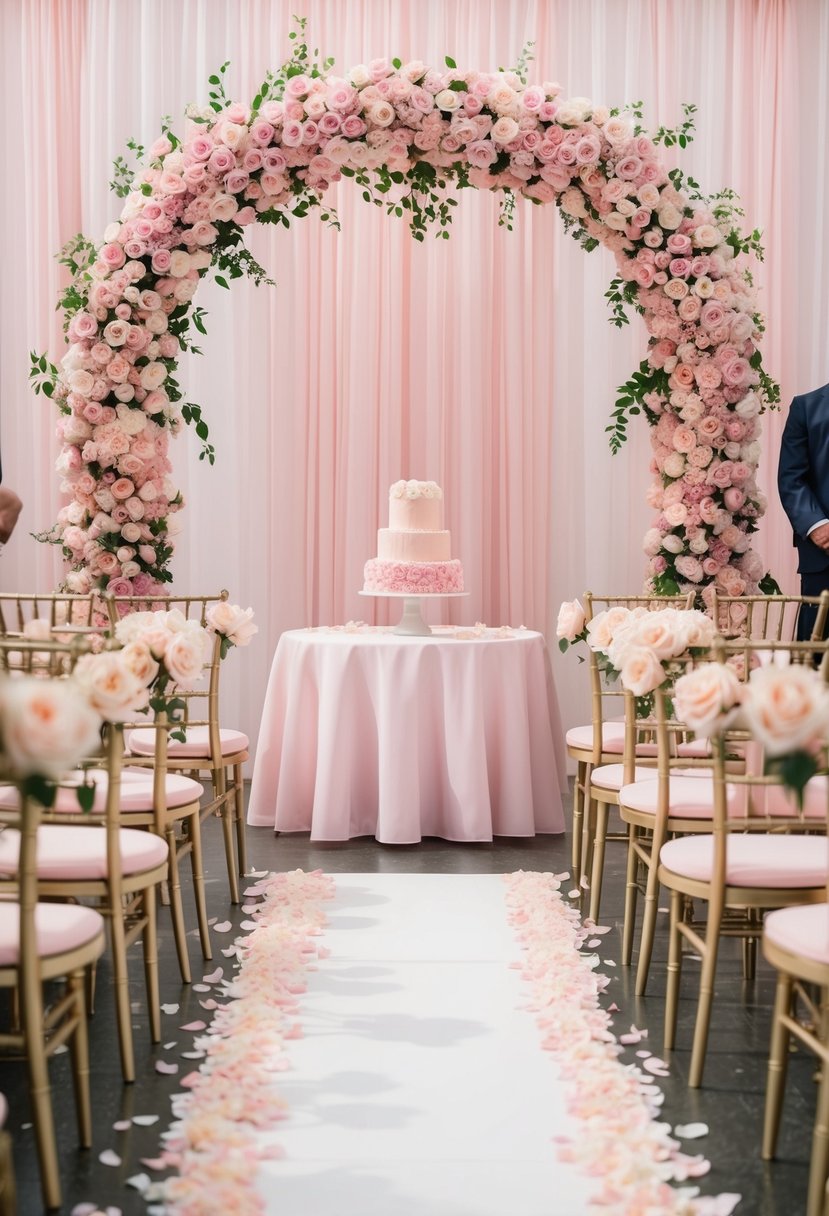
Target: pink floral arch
(408, 136)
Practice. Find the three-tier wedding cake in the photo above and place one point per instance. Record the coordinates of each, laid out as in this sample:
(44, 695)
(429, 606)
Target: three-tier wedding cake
(413, 552)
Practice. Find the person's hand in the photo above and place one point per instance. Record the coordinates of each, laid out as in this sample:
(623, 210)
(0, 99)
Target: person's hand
(11, 506)
(820, 537)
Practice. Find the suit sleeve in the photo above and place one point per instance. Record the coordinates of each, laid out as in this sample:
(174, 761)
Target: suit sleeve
(795, 473)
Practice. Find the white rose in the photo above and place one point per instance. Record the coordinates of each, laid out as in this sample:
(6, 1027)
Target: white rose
(131, 627)
(703, 287)
(131, 533)
(707, 236)
(661, 632)
(748, 407)
(359, 76)
(602, 628)
(672, 544)
(570, 620)
(179, 263)
(504, 131)
(787, 707)
(131, 421)
(80, 382)
(79, 582)
(47, 725)
(447, 99)
(153, 376)
(148, 492)
(669, 216)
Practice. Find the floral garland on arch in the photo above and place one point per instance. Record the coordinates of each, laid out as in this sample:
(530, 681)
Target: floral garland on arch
(405, 133)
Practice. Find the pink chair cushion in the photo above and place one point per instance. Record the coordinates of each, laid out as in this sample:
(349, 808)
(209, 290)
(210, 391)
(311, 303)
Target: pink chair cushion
(612, 776)
(755, 859)
(613, 737)
(75, 852)
(802, 930)
(136, 792)
(613, 742)
(59, 927)
(142, 743)
(690, 797)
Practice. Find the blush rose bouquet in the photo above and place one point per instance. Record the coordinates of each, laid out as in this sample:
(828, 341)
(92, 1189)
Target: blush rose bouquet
(172, 651)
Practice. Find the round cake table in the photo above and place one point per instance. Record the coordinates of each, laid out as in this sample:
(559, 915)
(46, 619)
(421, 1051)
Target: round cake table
(369, 733)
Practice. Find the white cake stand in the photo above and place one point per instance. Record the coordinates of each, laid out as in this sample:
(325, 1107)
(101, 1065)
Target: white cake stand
(412, 623)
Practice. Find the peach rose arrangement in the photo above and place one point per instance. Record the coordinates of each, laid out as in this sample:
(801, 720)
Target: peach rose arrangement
(405, 133)
(786, 709)
(172, 651)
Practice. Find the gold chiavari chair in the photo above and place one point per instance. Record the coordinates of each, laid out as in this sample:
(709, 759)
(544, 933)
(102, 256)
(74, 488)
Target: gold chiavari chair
(760, 855)
(8, 1191)
(47, 616)
(209, 748)
(42, 942)
(601, 743)
(796, 943)
(89, 855)
(773, 617)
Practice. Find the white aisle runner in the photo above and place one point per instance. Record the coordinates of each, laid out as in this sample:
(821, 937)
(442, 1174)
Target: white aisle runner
(420, 1088)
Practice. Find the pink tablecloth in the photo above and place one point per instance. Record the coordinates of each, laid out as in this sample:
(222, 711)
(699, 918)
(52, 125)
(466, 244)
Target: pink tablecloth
(373, 734)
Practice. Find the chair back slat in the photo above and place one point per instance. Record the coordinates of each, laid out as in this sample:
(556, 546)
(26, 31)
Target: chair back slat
(772, 617)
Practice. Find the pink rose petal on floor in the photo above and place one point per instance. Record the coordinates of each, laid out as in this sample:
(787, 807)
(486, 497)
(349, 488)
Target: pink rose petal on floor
(574, 894)
(249, 924)
(614, 1008)
(169, 1008)
(214, 976)
(145, 1120)
(222, 926)
(691, 1131)
(584, 883)
(108, 1157)
(84, 1209)
(194, 1026)
(166, 1068)
(123, 1125)
(153, 1163)
(229, 951)
(211, 1004)
(594, 943)
(200, 987)
(139, 1182)
(193, 1055)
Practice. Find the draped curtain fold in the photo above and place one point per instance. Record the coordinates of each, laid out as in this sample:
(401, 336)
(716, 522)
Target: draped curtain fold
(484, 362)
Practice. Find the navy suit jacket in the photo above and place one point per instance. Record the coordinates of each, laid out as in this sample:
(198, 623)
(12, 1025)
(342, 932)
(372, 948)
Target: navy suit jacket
(803, 474)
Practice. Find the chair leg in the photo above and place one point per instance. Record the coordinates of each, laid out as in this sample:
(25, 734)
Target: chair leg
(649, 915)
(777, 1066)
(176, 910)
(631, 893)
(578, 815)
(239, 815)
(150, 939)
(819, 1166)
(230, 850)
(197, 865)
(674, 972)
(597, 869)
(120, 983)
(40, 1097)
(706, 997)
(588, 829)
(80, 1060)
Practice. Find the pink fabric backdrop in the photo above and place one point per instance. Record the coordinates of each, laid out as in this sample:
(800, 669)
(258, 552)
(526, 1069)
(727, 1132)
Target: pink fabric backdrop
(484, 362)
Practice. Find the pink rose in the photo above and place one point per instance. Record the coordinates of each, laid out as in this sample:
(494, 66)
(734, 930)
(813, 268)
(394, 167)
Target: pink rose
(734, 498)
(112, 255)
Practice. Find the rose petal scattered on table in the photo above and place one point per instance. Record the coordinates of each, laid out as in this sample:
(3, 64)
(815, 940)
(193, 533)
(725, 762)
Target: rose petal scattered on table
(108, 1157)
(222, 927)
(691, 1131)
(169, 1070)
(169, 1008)
(194, 1026)
(145, 1120)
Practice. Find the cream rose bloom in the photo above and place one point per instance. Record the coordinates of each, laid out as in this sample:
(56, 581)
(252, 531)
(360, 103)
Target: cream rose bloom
(131, 628)
(233, 622)
(184, 658)
(641, 672)
(570, 620)
(602, 628)
(47, 725)
(111, 686)
(787, 708)
(706, 698)
(137, 656)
